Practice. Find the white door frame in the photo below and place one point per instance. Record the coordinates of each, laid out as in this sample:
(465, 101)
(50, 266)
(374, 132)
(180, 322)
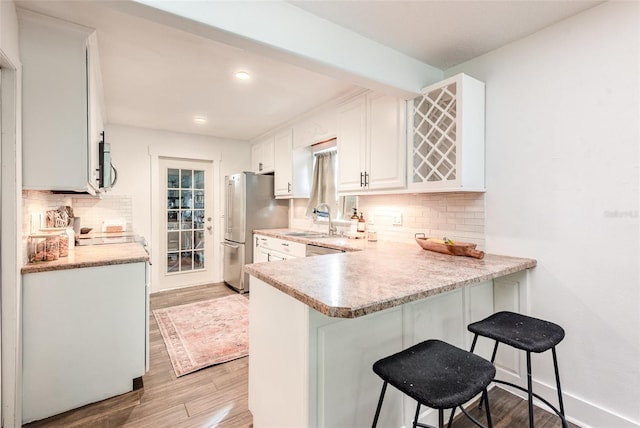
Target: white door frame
(196, 276)
(181, 152)
(11, 244)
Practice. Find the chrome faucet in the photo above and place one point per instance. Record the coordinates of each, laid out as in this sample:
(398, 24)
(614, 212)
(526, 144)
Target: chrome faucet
(318, 210)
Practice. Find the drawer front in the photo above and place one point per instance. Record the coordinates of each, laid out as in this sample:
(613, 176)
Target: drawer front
(284, 246)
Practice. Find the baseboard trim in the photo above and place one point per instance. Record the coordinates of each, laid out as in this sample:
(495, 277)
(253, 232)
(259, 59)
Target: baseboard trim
(578, 411)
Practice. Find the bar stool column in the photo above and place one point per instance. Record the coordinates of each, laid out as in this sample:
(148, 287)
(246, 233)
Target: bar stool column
(527, 334)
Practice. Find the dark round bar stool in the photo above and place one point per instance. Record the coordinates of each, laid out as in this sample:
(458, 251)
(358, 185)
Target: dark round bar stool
(437, 375)
(527, 334)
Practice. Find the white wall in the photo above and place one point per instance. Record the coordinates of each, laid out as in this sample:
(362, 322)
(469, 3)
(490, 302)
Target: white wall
(562, 115)
(134, 152)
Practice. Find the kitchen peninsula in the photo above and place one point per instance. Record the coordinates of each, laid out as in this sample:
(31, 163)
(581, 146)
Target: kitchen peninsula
(318, 324)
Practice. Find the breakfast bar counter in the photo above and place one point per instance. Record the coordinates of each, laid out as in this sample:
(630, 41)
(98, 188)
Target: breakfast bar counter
(317, 325)
(383, 275)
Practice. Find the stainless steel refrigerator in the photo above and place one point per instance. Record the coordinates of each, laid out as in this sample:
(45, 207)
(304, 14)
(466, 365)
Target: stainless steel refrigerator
(250, 205)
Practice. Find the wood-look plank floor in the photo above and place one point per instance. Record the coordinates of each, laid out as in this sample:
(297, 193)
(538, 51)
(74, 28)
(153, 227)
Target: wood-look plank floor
(212, 397)
(509, 411)
(217, 396)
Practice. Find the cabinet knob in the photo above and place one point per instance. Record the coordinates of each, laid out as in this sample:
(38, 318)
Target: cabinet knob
(289, 187)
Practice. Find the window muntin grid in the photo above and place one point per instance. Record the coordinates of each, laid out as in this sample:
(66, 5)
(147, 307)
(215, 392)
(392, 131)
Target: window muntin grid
(185, 220)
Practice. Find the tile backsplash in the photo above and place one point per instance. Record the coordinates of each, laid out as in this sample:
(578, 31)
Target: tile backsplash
(91, 210)
(458, 216)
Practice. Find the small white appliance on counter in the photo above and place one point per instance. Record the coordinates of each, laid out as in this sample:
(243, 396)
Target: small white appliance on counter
(250, 205)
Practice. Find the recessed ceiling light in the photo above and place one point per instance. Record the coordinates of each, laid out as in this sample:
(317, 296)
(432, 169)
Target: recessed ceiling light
(199, 120)
(243, 75)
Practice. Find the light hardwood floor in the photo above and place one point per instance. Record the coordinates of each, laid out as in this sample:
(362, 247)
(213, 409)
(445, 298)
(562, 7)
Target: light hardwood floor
(212, 397)
(217, 396)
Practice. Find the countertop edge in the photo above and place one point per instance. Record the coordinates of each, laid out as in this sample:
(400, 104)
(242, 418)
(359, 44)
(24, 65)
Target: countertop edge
(346, 312)
(37, 267)
(92, 256)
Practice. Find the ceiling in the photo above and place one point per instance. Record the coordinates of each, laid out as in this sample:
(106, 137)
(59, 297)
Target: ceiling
(160, 77)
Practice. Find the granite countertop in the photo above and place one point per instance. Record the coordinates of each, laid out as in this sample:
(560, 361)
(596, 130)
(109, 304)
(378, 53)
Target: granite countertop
(373, 276)
(91, 256)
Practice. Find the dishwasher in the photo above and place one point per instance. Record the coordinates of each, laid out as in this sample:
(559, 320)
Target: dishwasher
(317, 250)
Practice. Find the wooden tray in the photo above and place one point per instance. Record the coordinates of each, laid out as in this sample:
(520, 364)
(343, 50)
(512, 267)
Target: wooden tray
(456, 249)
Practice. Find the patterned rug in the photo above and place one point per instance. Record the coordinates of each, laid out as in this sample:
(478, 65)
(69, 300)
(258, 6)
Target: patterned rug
(201, 334)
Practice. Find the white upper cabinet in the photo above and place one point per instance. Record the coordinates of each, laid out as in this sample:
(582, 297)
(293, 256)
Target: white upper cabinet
(387, 136)
(62, 119)
(447, 138)
(262, 156)
(96, 108)
(352, 145)
(283, 163)
(292, 167)
(371, 144)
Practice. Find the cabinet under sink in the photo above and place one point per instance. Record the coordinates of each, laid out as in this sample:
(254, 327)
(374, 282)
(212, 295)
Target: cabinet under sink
(318, 250)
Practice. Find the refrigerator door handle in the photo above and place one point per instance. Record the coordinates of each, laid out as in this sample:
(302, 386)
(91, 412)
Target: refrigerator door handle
(229, 218)
(226, 244)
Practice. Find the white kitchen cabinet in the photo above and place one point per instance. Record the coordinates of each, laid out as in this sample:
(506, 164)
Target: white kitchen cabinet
(272, 249)
(292, 167)
(96, 110)
(62, 115)
(84, 336)
(262, 156)
(447, 137)
(260, 255)
(371, 144)
(275, 256)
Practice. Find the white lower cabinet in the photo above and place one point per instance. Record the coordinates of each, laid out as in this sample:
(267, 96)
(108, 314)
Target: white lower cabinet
(268, 249)
(322, 366)
(84, 336)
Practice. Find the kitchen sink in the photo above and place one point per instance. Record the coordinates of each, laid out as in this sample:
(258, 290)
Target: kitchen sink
(309, 234)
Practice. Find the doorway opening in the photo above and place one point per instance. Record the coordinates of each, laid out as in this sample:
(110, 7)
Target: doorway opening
(186, 198)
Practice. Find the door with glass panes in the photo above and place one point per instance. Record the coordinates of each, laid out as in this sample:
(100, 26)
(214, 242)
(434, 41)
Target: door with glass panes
(187, 228)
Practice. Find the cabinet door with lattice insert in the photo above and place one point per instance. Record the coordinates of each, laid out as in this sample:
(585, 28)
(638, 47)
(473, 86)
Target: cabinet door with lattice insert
(447, 137)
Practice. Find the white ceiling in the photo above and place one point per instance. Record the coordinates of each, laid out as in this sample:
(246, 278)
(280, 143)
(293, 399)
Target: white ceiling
(160, 77)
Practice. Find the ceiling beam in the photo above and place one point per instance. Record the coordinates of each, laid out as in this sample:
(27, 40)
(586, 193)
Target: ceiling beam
(287, 33)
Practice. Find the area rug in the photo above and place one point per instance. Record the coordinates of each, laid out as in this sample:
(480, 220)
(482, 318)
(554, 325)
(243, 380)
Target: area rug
(202, 334)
